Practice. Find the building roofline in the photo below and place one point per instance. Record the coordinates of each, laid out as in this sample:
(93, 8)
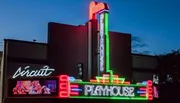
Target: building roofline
(146, 55)
(119, 32)
(29, 42)
(85, 25)
(64, 24)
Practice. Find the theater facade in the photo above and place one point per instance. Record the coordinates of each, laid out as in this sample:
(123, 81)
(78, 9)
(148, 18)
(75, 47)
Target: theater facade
(85, 63)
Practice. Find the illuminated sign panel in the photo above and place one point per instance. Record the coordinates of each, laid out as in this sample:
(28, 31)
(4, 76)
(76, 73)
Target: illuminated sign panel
(155, 92)
(30, 72)
(107, 90)
(68, 87)
(33, 87)
(101, 88)
(101, 46)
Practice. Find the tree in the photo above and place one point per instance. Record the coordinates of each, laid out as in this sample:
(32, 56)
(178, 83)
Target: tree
(169, 67)
(138, 46)
(168, 70)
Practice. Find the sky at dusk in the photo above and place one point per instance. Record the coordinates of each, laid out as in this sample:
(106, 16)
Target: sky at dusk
(156, 22)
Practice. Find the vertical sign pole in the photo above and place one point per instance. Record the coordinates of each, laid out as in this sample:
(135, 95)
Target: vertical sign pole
(89, 49)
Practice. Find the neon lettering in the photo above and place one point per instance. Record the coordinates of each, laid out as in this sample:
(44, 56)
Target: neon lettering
(45, 71)
(99, 90)
(155, 92)
(155, 79)
(101, 46)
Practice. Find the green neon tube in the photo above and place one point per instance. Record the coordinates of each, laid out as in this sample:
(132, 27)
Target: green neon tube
(106, 32)
(86, 83)
(107, 41)
(125, 98)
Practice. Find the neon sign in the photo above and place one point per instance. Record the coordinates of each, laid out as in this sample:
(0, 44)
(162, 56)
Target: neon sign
(155, 79)
(102, 9)
(95, 7)
(106, 90)
(102, 88)
(101, 46)
(26, 71)
(155, 92)
(108, 86)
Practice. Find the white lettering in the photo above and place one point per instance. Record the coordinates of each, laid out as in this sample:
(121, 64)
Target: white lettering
(101, 46)
(88, 89)
(45, 71)
(155, 92)
(128, 91)
(99, 90)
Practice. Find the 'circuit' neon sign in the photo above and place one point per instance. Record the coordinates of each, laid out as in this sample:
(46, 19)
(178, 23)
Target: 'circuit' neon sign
(28, 72)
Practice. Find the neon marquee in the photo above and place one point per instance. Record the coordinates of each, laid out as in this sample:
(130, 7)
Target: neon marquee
(102, 88)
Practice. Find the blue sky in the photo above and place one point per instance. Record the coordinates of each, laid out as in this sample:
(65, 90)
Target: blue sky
(156, 22)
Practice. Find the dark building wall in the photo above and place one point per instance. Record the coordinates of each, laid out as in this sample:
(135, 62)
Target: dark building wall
(35, 55)
(0, 55)
(19, 54)
(1, 74)
(28, 50)
(144, 61)
(144, 67)
(67, 46)
(120, 54)
(0, 58)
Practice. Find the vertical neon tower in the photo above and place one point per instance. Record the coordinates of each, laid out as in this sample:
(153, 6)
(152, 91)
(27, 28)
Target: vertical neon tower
(102, 10)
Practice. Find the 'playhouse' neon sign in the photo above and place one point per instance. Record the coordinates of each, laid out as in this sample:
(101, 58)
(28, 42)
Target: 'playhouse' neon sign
(106, 90)
(103, 88)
